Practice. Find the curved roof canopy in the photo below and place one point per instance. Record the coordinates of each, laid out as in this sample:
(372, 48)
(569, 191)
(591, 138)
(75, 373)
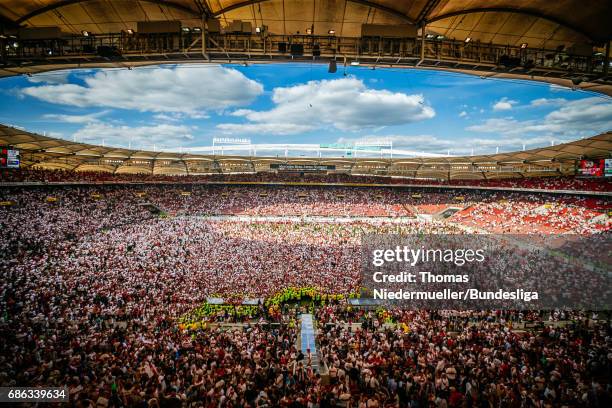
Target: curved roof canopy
(540, 23)
(45, 152)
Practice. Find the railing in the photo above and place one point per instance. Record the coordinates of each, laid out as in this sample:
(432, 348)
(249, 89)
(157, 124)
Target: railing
(237, 47)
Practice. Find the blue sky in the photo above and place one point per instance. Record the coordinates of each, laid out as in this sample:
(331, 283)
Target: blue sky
(182, 106)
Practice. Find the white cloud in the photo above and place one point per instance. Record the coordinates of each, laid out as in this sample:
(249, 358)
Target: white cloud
(163, 135)
(265, 128)
(178, 116)
(463, 114)
(558, 88)
(548, 102)
(163, 117)
(494, 125)
(54, 77)
(92, 117)
(589, 112)
(583, 117)
(504, 104)
(241, 112)
(345, 104)
(177, 89)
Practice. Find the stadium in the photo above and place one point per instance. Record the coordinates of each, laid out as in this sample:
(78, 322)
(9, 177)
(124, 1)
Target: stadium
(305, 203)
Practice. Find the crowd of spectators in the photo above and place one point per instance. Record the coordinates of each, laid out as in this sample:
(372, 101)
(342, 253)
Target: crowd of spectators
(509, 212)
(459, 359)
(541, 183)
(518, 213)
(501, 212)
(93, 282)
(281, 200)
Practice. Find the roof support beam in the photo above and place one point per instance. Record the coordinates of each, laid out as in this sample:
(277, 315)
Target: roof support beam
(528, 12)
(366, 3)
(54, 6)
(203, 7)
(426, 10)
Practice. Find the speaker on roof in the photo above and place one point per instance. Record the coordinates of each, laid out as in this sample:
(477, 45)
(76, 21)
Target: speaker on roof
(157, 27)
(580, 50)
(108, 51)
(214, 25)
(235, 26)
(297, 49)
(316, 50)
(332, 67)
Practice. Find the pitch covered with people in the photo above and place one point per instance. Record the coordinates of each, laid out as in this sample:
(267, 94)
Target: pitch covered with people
(141, 295)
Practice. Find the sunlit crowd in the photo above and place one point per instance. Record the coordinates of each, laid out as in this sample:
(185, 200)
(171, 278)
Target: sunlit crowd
(96, 278)
(541, 183)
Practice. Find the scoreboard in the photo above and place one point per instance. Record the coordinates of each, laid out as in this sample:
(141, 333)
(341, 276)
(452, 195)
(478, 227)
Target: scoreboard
(596, 168)
(9, 158)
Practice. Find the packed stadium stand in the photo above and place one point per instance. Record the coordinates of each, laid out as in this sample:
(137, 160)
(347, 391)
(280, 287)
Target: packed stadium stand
(133, 286)
(197, 289)
(118, 279)
(134, 278)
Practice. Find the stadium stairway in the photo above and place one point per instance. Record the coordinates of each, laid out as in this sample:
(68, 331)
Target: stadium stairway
(307, 341)
(447, 213)
(411, 209)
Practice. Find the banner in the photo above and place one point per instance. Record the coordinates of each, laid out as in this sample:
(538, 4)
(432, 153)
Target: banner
(301, 167)
(9, 158)
(592, 168)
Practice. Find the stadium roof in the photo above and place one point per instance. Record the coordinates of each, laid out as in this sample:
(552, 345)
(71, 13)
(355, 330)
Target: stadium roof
(46, 152)
(537, 22)
(566, 43)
